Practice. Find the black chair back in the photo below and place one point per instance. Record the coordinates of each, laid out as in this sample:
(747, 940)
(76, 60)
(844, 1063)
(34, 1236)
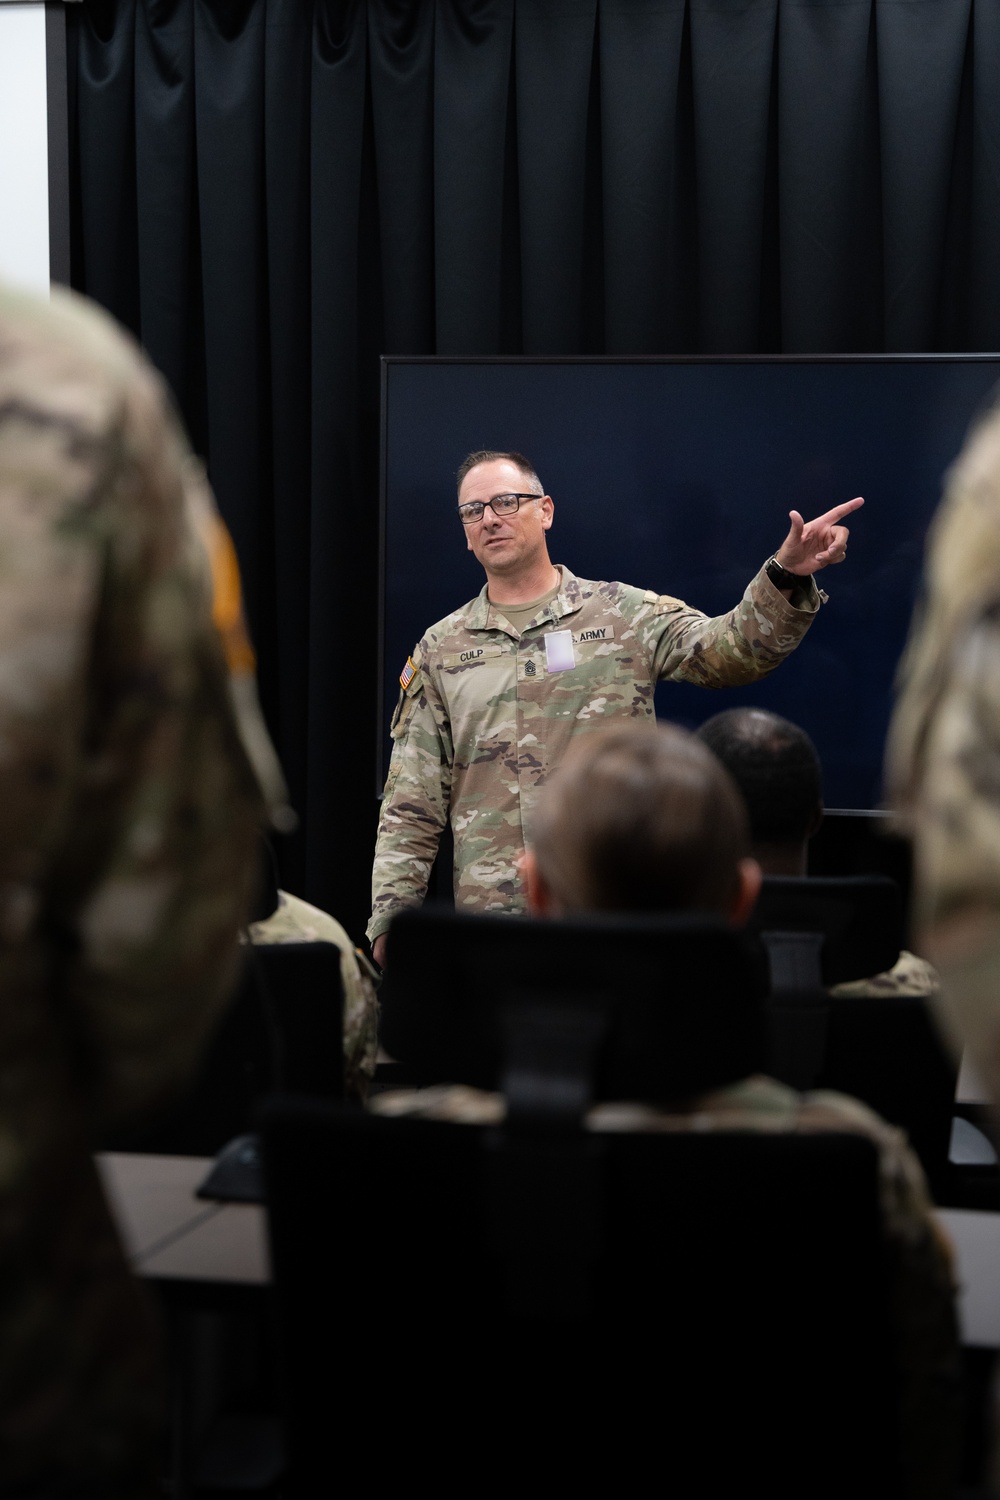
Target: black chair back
(858, 919)
(883, 1048)
(887, 1051)
(577, 1310)
(283, 1031)
(655, 1008)
(864, 843)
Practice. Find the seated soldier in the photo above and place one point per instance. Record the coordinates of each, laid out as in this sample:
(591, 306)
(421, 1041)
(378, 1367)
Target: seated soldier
(775, 765)
(644, 819)
(281, 917)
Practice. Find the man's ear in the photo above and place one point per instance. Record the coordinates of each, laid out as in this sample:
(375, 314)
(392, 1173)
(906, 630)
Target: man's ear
(539, 897)
(749, 875)
(548, 510)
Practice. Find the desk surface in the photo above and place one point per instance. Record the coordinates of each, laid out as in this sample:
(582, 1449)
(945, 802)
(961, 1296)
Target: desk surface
(976, 1237)
(170, 1234)
(969, 1089)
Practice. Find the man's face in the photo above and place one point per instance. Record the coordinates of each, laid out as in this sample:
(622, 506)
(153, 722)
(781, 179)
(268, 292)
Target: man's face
(505, 544)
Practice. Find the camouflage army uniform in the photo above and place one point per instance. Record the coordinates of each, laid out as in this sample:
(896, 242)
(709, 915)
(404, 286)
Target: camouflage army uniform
(295, 921)
(921, 1263)
(482, 721)
(129, 823)
(909, 978)
(944, 751)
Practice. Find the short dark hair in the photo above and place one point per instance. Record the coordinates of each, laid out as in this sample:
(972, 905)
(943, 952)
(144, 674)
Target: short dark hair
(641, 817)
(775, 765)
(488, 456)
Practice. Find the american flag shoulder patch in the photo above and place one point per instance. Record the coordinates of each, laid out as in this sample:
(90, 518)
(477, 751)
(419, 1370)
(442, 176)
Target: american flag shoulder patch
(406, 675)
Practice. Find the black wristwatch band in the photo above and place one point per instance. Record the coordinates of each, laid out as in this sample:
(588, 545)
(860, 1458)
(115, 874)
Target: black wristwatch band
(783, 579)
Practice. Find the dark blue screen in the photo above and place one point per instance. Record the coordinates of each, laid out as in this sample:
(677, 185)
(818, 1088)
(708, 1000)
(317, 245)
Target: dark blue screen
(678, 476)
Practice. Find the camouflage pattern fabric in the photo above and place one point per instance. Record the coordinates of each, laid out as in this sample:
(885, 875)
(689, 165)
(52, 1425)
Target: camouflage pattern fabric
(943, 759)
(129, 823)
(482, 720)
(920, 1255)
(295, 921)
(910, 977)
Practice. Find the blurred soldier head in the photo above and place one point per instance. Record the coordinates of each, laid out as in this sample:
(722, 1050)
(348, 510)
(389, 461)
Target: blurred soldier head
(641, 818)
(775, 765)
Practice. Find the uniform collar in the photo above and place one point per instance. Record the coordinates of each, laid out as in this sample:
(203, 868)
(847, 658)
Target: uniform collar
(485, 616)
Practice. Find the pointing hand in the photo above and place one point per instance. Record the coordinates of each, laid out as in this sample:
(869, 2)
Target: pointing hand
(812, 545)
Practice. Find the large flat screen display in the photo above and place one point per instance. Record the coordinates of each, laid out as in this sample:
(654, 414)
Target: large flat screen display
(678, 476)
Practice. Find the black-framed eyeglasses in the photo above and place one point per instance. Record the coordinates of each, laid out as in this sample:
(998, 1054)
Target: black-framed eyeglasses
(502, 505)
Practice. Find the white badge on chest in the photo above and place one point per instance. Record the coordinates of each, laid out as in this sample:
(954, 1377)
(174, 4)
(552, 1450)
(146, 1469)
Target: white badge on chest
(559, 654)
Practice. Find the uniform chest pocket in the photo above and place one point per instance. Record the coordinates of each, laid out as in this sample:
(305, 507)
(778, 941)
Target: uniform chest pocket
(604, 652)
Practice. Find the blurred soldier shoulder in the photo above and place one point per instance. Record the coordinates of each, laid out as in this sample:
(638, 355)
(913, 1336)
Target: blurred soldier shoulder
(296, 921)
(943, 748)
(129, 814)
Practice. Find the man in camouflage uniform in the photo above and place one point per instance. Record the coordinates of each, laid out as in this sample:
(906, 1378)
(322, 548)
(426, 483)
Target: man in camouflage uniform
(493, 694)
(943, 762)
(775, 765)
(652, 821)
(129, 820)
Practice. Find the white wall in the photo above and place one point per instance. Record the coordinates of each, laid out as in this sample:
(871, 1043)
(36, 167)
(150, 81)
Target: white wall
(24, 167)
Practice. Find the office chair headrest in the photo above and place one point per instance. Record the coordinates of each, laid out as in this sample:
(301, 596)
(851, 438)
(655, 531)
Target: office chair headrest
(679, 1000)
(860, 918)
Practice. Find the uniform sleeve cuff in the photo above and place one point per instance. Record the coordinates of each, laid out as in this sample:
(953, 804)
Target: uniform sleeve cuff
(776, 601)
(378, 925)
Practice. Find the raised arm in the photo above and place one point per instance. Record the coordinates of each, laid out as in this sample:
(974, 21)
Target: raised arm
(749, 641)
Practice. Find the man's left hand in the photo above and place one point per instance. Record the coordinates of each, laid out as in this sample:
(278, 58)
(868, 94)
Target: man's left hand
(812, 545)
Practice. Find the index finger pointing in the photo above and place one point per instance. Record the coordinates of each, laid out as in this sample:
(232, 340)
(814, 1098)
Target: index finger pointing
(840, 510)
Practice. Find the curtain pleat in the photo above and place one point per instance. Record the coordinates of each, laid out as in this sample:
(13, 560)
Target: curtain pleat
(283, 641)
(342, 550)
(921, 46)
(471, 84)
(732, 50)
(229, 150)
(106, 253)
(271, 193)
(983, 314)
(554, 56)
(648, 300)
(401, 47)
(169, 247)
(831, 237)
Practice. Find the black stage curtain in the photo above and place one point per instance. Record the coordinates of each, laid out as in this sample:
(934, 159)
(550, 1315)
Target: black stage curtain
(271, 193)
